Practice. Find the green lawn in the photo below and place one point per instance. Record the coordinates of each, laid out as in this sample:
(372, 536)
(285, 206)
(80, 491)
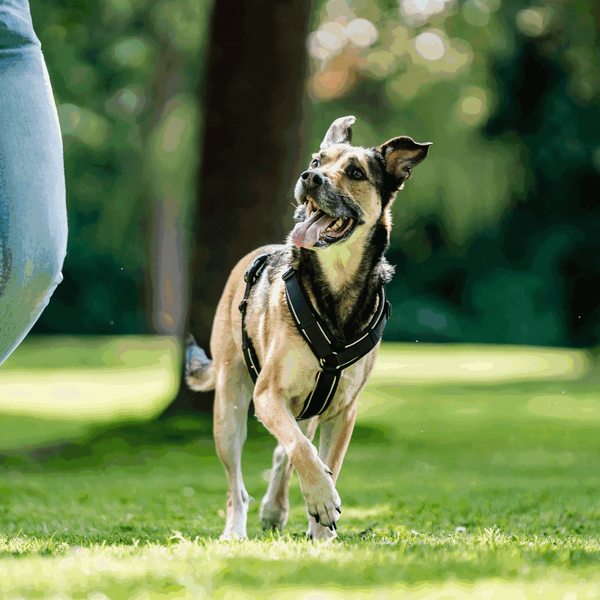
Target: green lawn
(474, 472)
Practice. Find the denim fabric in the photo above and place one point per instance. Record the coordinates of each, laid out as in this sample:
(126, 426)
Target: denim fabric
(33, 217)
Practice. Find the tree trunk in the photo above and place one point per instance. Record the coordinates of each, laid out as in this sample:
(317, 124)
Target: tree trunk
(253, 99)
(167, 285)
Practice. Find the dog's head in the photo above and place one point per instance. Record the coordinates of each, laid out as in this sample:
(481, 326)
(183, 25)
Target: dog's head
(347, 188)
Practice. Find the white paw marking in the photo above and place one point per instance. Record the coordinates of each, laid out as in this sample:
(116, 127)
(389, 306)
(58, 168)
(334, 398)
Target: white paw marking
(322, 500)
(319, 533)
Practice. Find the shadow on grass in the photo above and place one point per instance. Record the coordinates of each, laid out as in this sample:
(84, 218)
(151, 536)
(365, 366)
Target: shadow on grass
(132, 438)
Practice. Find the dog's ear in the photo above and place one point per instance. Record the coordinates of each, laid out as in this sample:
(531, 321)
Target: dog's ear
(340, 132)
(401, 154)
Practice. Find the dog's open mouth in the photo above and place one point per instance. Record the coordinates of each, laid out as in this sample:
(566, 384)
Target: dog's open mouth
(319, 228)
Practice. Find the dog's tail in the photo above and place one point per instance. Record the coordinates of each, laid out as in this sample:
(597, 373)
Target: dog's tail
(199, 370)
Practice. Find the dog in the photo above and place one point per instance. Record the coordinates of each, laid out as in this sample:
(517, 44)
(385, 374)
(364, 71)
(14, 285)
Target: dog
(334, 257)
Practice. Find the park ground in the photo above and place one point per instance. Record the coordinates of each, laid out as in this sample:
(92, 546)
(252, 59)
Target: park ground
(473, 472)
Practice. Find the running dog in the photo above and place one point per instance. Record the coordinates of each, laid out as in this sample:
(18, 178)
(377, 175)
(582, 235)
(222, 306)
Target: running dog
(298, 328)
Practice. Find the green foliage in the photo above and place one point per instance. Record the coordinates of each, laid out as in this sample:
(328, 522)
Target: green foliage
(493, 236)
(118, 70)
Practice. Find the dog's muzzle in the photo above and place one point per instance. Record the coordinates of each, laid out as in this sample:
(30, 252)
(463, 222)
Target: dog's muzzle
(311, 179)
(322, 226)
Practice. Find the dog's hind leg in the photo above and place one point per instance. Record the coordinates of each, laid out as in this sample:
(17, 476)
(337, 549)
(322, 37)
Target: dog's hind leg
(232, 398)
(275, 506)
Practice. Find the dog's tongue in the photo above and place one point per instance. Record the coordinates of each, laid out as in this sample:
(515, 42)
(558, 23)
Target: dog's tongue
(307, 233)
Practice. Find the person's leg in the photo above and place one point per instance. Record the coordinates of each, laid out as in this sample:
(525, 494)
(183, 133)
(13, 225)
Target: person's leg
(33, 217)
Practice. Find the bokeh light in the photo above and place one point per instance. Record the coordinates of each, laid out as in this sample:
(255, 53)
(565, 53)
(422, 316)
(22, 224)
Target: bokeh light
(533, 21)
(133, 53)
(361, 32)
(83, 123)
(430, 45)
(416, 11)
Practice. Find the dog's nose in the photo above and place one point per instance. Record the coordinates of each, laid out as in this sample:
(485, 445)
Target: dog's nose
(311, 179)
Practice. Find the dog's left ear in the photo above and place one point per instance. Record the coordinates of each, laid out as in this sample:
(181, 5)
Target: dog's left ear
(340, 132)
(401, 154)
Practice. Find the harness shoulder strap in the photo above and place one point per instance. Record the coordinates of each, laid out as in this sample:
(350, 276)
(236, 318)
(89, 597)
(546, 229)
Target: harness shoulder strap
(308, 323)
(318, 336)
(250, 357)
(369, 338)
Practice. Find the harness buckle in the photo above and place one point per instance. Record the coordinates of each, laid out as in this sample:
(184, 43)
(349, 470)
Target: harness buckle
(254, 269)
(330, 363)
(388, 309)
(242, 306)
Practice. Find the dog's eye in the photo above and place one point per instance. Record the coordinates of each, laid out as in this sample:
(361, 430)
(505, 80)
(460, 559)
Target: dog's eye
(356, 174)
(315, 163)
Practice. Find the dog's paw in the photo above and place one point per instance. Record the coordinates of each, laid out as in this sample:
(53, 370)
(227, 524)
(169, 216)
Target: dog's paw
(228, 536)
(319, 533)
(273, 516)
(237, 516)
(323, 501)
(235, 529)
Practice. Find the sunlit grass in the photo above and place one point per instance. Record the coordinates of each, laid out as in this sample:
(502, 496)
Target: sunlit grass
(450, 488)
(434, 363)
(74, 382)
(185, 568)
(90, 378)
(57, 387)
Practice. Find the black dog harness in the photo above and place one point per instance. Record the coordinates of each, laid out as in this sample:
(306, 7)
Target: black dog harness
(333, 356)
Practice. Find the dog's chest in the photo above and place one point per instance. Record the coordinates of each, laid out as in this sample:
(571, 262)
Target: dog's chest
(299, 375)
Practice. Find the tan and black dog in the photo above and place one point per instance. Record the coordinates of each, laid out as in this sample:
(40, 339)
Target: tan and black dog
(336, 249)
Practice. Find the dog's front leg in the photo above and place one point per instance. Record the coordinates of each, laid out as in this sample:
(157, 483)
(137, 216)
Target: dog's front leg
(322, 499)
(334, 438)
(275, 506)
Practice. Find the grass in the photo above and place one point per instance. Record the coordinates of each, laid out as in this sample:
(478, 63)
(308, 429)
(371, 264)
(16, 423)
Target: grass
(480, 484)
(78, 383)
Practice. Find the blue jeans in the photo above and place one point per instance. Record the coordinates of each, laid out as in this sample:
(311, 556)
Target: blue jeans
(33, 215)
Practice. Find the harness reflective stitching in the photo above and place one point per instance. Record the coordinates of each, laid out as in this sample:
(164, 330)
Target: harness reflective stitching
(253, 365)
(328, 340)
(309, 399)
(381, 305)
(325, 404)
(298, 303)
(295, 316)
(332, 389)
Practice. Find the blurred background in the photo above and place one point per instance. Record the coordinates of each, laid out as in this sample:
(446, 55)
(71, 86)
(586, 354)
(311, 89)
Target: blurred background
(185, 125)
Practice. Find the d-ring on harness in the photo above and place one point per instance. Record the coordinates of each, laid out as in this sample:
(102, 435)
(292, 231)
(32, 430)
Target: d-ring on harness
(333, 356)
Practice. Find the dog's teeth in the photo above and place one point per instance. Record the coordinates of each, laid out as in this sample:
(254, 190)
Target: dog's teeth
(335, 225)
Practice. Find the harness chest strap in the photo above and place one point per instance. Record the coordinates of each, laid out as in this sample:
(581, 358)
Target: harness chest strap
(333, 356)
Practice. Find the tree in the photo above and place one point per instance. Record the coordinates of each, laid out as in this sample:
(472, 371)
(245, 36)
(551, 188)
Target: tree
(253, 99)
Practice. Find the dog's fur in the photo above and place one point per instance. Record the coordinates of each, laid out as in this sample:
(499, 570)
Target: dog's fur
(341, 275)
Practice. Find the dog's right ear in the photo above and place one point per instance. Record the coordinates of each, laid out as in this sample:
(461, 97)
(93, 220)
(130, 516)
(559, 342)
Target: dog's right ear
(340, 132)
(401, 154)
